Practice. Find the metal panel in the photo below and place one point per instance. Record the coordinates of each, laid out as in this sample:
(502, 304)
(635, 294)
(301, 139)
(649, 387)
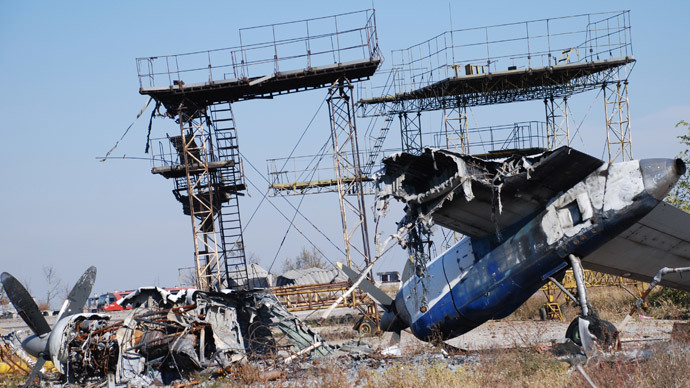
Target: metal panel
(660, 239)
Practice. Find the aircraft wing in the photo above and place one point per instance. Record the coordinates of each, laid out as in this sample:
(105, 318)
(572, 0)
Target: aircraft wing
(476, 197)
(660, 239)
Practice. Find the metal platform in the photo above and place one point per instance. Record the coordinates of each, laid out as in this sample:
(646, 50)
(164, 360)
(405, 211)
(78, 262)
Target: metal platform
(503, 87)
(523, 61)
(271, 60)
(232, 90)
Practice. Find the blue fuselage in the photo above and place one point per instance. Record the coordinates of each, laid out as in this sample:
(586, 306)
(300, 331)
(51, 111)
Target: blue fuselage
(476, 280)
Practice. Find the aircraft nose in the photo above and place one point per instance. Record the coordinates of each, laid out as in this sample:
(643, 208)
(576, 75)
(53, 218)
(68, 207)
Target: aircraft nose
(659, 175)
(34, 345)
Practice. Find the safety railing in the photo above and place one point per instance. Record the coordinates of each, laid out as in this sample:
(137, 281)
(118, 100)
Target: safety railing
(484, 140)
(513, 46)
(270, 49)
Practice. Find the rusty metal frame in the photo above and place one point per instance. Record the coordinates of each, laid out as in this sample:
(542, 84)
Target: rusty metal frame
(616, 108)
(316, 296)
(456, 128)
(348, 170)
(557, 122)
(195, 138)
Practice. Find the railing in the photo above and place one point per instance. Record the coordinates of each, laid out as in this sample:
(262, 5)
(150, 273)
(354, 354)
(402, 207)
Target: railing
(523, 45)
(482, 140)
(270, 49)
(304, 171)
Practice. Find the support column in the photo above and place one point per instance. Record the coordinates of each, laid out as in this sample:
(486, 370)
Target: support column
(348, 172)
(199, 189)
(616, 108)
(455, 123)
(411, 132)
(557, 122)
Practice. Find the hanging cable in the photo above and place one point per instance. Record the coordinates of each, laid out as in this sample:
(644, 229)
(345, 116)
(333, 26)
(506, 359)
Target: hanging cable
(141, 112)
(314, 170)
(293, 206)
(296, 228)
(284, 164)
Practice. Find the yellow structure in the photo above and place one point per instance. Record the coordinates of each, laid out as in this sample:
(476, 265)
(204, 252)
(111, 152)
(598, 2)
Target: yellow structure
(552, 309)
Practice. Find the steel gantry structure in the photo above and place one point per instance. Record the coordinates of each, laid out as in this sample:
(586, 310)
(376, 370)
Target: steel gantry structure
(204, 159)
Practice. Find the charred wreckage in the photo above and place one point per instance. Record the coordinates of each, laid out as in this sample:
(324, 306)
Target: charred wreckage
(525, 219)
(166, 339)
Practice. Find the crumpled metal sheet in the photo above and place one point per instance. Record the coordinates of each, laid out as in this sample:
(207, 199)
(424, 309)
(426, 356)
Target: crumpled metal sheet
(476, 197)
(170, 336)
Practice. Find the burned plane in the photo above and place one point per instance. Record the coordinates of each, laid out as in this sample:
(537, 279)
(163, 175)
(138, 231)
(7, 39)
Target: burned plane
(526, 220)
(166, 337)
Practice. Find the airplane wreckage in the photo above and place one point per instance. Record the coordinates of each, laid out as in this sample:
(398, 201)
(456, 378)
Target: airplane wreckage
(525, 221)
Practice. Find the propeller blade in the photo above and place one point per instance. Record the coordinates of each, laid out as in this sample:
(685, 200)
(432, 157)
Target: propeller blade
(367, 286)
(24, 304)
(395, 339)
(37, 368)
(393, 348)
(79, 295)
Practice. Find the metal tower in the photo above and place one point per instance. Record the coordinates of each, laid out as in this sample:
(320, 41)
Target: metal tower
(197, 90)
(348, 171)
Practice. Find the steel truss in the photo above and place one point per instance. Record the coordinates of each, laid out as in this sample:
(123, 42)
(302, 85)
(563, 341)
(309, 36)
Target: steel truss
(411, 132)
(456, 129)
(618, 135)
(348, 170)
(200, 194)
(557, 122)
(490, 89)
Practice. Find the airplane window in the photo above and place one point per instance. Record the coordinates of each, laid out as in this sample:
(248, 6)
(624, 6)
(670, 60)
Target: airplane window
(575, 214)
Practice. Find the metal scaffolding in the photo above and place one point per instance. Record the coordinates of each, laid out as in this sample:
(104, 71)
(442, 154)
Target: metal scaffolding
(348, 171)
(197, 90)
(618, 135)
(557, 122)
(547, 59)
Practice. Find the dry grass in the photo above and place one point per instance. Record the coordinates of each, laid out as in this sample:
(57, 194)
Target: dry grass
(510, 368)
(667, 368)
(11, 380)
(612, 304)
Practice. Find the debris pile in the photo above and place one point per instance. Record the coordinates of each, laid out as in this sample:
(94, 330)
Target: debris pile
(168, 338)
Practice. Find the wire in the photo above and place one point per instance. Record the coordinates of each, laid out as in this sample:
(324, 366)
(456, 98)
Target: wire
(296, 228)
(141, 112)
(315, 169)
(293, 206)
(284, 164)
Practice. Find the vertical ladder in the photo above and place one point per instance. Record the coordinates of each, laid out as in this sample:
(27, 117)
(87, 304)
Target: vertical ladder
(229, 181)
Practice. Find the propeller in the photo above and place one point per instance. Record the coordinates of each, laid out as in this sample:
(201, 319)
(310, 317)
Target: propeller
(37, 344)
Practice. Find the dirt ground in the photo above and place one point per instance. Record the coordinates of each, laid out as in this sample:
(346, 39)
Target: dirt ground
(491, 335)
(510, 334)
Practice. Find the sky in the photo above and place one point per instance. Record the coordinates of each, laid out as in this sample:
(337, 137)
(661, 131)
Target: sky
(70, 89)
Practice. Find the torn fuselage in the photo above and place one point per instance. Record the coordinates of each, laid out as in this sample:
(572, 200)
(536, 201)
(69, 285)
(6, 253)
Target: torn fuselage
(522, 218)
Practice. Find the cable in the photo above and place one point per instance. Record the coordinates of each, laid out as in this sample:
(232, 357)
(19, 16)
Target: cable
(293, 206)
(284, 164)
(296, 228)
(141, 112)
(299, 205)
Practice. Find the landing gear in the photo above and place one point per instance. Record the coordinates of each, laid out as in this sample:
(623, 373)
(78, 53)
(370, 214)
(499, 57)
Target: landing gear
(604, 331)
(573, 331)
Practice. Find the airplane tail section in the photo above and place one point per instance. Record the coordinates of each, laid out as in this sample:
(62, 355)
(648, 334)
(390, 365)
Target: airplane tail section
(367, 286)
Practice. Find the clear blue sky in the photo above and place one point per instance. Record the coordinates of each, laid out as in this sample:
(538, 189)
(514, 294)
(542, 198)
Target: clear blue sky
(70, 88)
